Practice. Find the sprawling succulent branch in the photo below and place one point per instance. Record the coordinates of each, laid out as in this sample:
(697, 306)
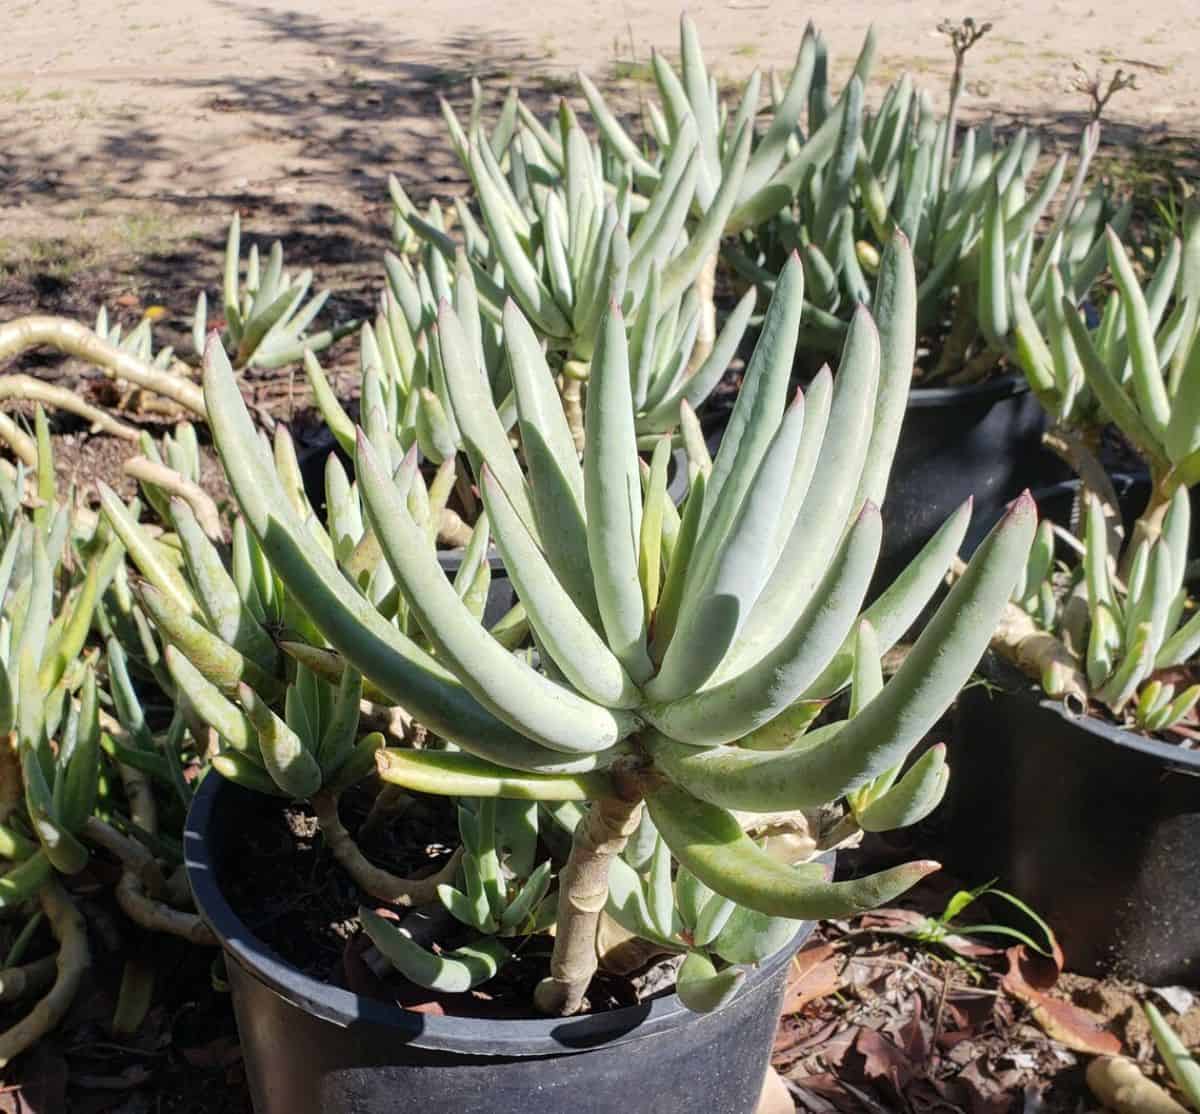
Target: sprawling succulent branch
(29, 389)
(78, 340)
(374, 880)
(69, 929)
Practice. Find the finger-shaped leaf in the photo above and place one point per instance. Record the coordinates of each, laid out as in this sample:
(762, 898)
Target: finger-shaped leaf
(736, 706)
(828, 506)
(528, 898)
(451, 773)
(1181, 1063)
(912, 798)
(895, 312)
(533, 704)
(337, 740)
(897, 609)
(562, 630)
(705, 238)
(453, 972)
(702, 988)
(751, 937)
(22, 882)
(610, 128)
(336, 418)
(228, 617)
(1183, 430)
(711, 844)
(700, 384)
(756, 415)
(1148, 386)
(993, 308)
(144, 555)
(716, 607)
(400, 669)
(556, 478)
(613, 496)
(224, 717)
(285, 758)
(1111, 395)
(936, 668)
(484, 434)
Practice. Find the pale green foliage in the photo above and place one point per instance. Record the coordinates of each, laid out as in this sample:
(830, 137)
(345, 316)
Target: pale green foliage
(266, 315)
(1121, 629)
(976, 226)
(610, 675)
(1180, 1061)
(53, 573)
(139, 341)
(1139, 366)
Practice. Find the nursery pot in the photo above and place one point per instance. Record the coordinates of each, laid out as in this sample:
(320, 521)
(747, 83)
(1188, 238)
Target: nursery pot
(313, 1048)
(981, 440)
(1095, 827)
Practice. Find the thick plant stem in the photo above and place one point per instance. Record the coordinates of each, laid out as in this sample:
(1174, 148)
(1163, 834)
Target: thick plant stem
(138, 901)
(141, 887)
(67, 924)
(34, 390)
(1148, 527)
(78, 340)
(452, 531)
(582, 893)
(29, 978)
(1080, 457)
(706, 334)
(376, 881)
(571, 391)
(23, 446)
(1120, 1085)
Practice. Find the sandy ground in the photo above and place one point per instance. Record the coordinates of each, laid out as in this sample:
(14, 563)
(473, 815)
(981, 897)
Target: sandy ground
(131, 128)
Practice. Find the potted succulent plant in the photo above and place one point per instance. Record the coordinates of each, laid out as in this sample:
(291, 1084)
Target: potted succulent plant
(1105, 627)
(660, 710)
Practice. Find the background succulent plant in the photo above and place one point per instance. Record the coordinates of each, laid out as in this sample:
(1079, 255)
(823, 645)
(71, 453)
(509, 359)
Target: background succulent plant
(266, 317)
(651, 677)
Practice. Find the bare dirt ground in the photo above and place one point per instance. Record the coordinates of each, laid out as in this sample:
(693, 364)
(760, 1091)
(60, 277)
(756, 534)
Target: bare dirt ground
(129, 130)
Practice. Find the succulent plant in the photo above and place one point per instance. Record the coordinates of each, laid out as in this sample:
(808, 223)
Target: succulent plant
(974, 218)
(1117, 612)
(683, 681)
(779, 160)
(553, 239)
(1138, 367)
(1104, 637)
(266, 315)
(47, 691)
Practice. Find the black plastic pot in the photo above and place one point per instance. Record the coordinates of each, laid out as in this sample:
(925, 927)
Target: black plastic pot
(312, 1048)
(981, 440)
(1097, 828)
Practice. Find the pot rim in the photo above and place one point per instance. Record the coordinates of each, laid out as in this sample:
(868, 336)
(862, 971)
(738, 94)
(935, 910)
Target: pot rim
(519, 1038)
(1184, 760)
(990, 390)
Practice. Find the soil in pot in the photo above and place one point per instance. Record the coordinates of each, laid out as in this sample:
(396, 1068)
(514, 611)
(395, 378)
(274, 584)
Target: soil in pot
(300, 903)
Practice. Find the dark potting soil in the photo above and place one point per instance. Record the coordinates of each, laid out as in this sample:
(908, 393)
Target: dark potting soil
(288, 889)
